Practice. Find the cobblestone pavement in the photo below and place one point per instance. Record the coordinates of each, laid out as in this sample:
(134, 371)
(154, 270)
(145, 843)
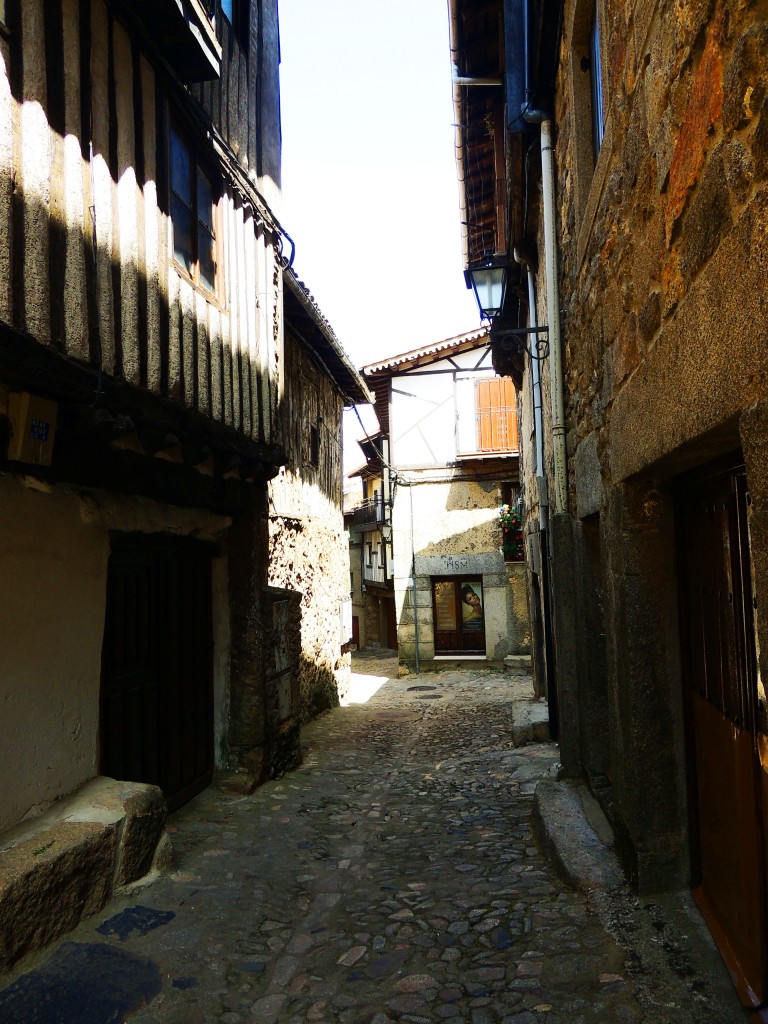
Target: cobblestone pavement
(394, 876)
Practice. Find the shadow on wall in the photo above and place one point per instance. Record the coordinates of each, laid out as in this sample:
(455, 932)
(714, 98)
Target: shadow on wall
(464, 494)
(480, 539)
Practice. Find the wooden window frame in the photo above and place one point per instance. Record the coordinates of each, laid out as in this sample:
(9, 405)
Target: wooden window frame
(199, 166)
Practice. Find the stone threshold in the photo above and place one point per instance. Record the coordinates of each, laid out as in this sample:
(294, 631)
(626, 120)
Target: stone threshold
(460, 657)
(66, 864)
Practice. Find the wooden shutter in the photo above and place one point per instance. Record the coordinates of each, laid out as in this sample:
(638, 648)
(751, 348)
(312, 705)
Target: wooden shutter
(496, 411)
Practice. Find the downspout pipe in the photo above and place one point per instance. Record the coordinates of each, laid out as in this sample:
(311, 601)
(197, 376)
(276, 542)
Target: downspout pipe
(413, 577)
(536, 399)
(458, 106)
(541, 486)
(560, 502)
(532, 115)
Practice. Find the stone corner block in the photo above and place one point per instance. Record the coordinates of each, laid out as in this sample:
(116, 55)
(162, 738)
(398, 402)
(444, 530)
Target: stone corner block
(577, 851)
(50, 881)
(64, 866)
(588, 477)
(137, 810)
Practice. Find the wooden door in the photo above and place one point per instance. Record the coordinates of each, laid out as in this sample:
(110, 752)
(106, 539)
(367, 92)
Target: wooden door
(391, 615)
(156, 685)
(726, 719)
(458, 615)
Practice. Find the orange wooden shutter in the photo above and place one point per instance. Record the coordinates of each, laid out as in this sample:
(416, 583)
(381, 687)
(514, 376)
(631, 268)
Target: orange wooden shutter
(496, 411)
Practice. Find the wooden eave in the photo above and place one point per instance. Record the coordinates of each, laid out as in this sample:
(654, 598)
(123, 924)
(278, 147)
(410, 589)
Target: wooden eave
(379, 375)
(116, 435)
(180, 32)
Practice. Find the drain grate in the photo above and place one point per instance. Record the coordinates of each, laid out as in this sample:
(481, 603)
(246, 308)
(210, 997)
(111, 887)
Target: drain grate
(412, 689)
(430, 696)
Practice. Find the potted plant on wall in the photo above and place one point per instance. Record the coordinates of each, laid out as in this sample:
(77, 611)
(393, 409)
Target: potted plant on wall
(511, 530)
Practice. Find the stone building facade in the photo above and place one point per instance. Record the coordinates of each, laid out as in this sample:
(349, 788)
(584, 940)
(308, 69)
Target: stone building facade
(144, 408)
(308, 550)
(449, 464)
(649, 237)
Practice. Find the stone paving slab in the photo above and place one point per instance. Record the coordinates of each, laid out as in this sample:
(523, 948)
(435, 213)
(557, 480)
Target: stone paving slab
(395, 876)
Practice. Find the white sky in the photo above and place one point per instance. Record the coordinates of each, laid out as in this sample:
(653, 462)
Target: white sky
(370, 193)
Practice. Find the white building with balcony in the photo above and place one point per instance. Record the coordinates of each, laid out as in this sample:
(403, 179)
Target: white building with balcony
(428, 530)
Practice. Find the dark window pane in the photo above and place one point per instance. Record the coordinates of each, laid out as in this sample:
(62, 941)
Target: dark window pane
(181, 168)
(204, 201)
(183, 243)
(207, 259)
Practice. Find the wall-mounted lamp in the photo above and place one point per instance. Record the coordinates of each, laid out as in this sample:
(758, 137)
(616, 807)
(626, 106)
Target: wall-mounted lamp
(386, 532)
(488, 280)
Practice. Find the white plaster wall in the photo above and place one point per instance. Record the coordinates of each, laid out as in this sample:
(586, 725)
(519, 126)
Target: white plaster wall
(51, 623)
(453, 518)
(54, 551)
(432, 414)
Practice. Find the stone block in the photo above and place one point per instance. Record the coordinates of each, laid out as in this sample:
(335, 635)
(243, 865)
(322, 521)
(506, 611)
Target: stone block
(135, 810)
(518, 664)
(589, 484)
(707, 220)
(65, 865)
(51, 880)
(144, 827)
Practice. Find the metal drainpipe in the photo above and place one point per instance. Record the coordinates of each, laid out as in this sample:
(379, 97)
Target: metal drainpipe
(413, 577)
(536, 399)
(541, 483)
(553, 316)
(553, 307)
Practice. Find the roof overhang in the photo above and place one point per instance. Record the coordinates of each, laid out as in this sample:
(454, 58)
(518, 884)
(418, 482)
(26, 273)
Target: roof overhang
(379, 375)
(497, 150)
(181, 31)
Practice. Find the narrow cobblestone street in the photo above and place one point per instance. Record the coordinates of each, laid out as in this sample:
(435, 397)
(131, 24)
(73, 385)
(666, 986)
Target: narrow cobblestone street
(394, 877)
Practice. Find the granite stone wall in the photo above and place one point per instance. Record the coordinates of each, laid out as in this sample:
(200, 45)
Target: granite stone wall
(663, 261)
(308, 545)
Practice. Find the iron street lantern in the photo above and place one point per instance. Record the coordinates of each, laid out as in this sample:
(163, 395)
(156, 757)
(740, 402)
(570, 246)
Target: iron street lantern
(488, 280)
(386, 532)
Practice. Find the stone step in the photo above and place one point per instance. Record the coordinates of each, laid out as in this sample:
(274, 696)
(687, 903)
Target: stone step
(518, 664)
(63, 866)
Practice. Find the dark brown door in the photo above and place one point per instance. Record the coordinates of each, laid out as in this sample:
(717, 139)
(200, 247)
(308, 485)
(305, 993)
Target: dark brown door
(389, 606)
(459, 615)
(156, 685)
(726, 723)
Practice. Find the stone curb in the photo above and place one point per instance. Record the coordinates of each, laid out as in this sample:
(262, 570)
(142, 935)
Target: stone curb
(581, 857)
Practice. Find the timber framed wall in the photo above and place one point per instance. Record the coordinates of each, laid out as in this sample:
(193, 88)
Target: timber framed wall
(85, 237)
